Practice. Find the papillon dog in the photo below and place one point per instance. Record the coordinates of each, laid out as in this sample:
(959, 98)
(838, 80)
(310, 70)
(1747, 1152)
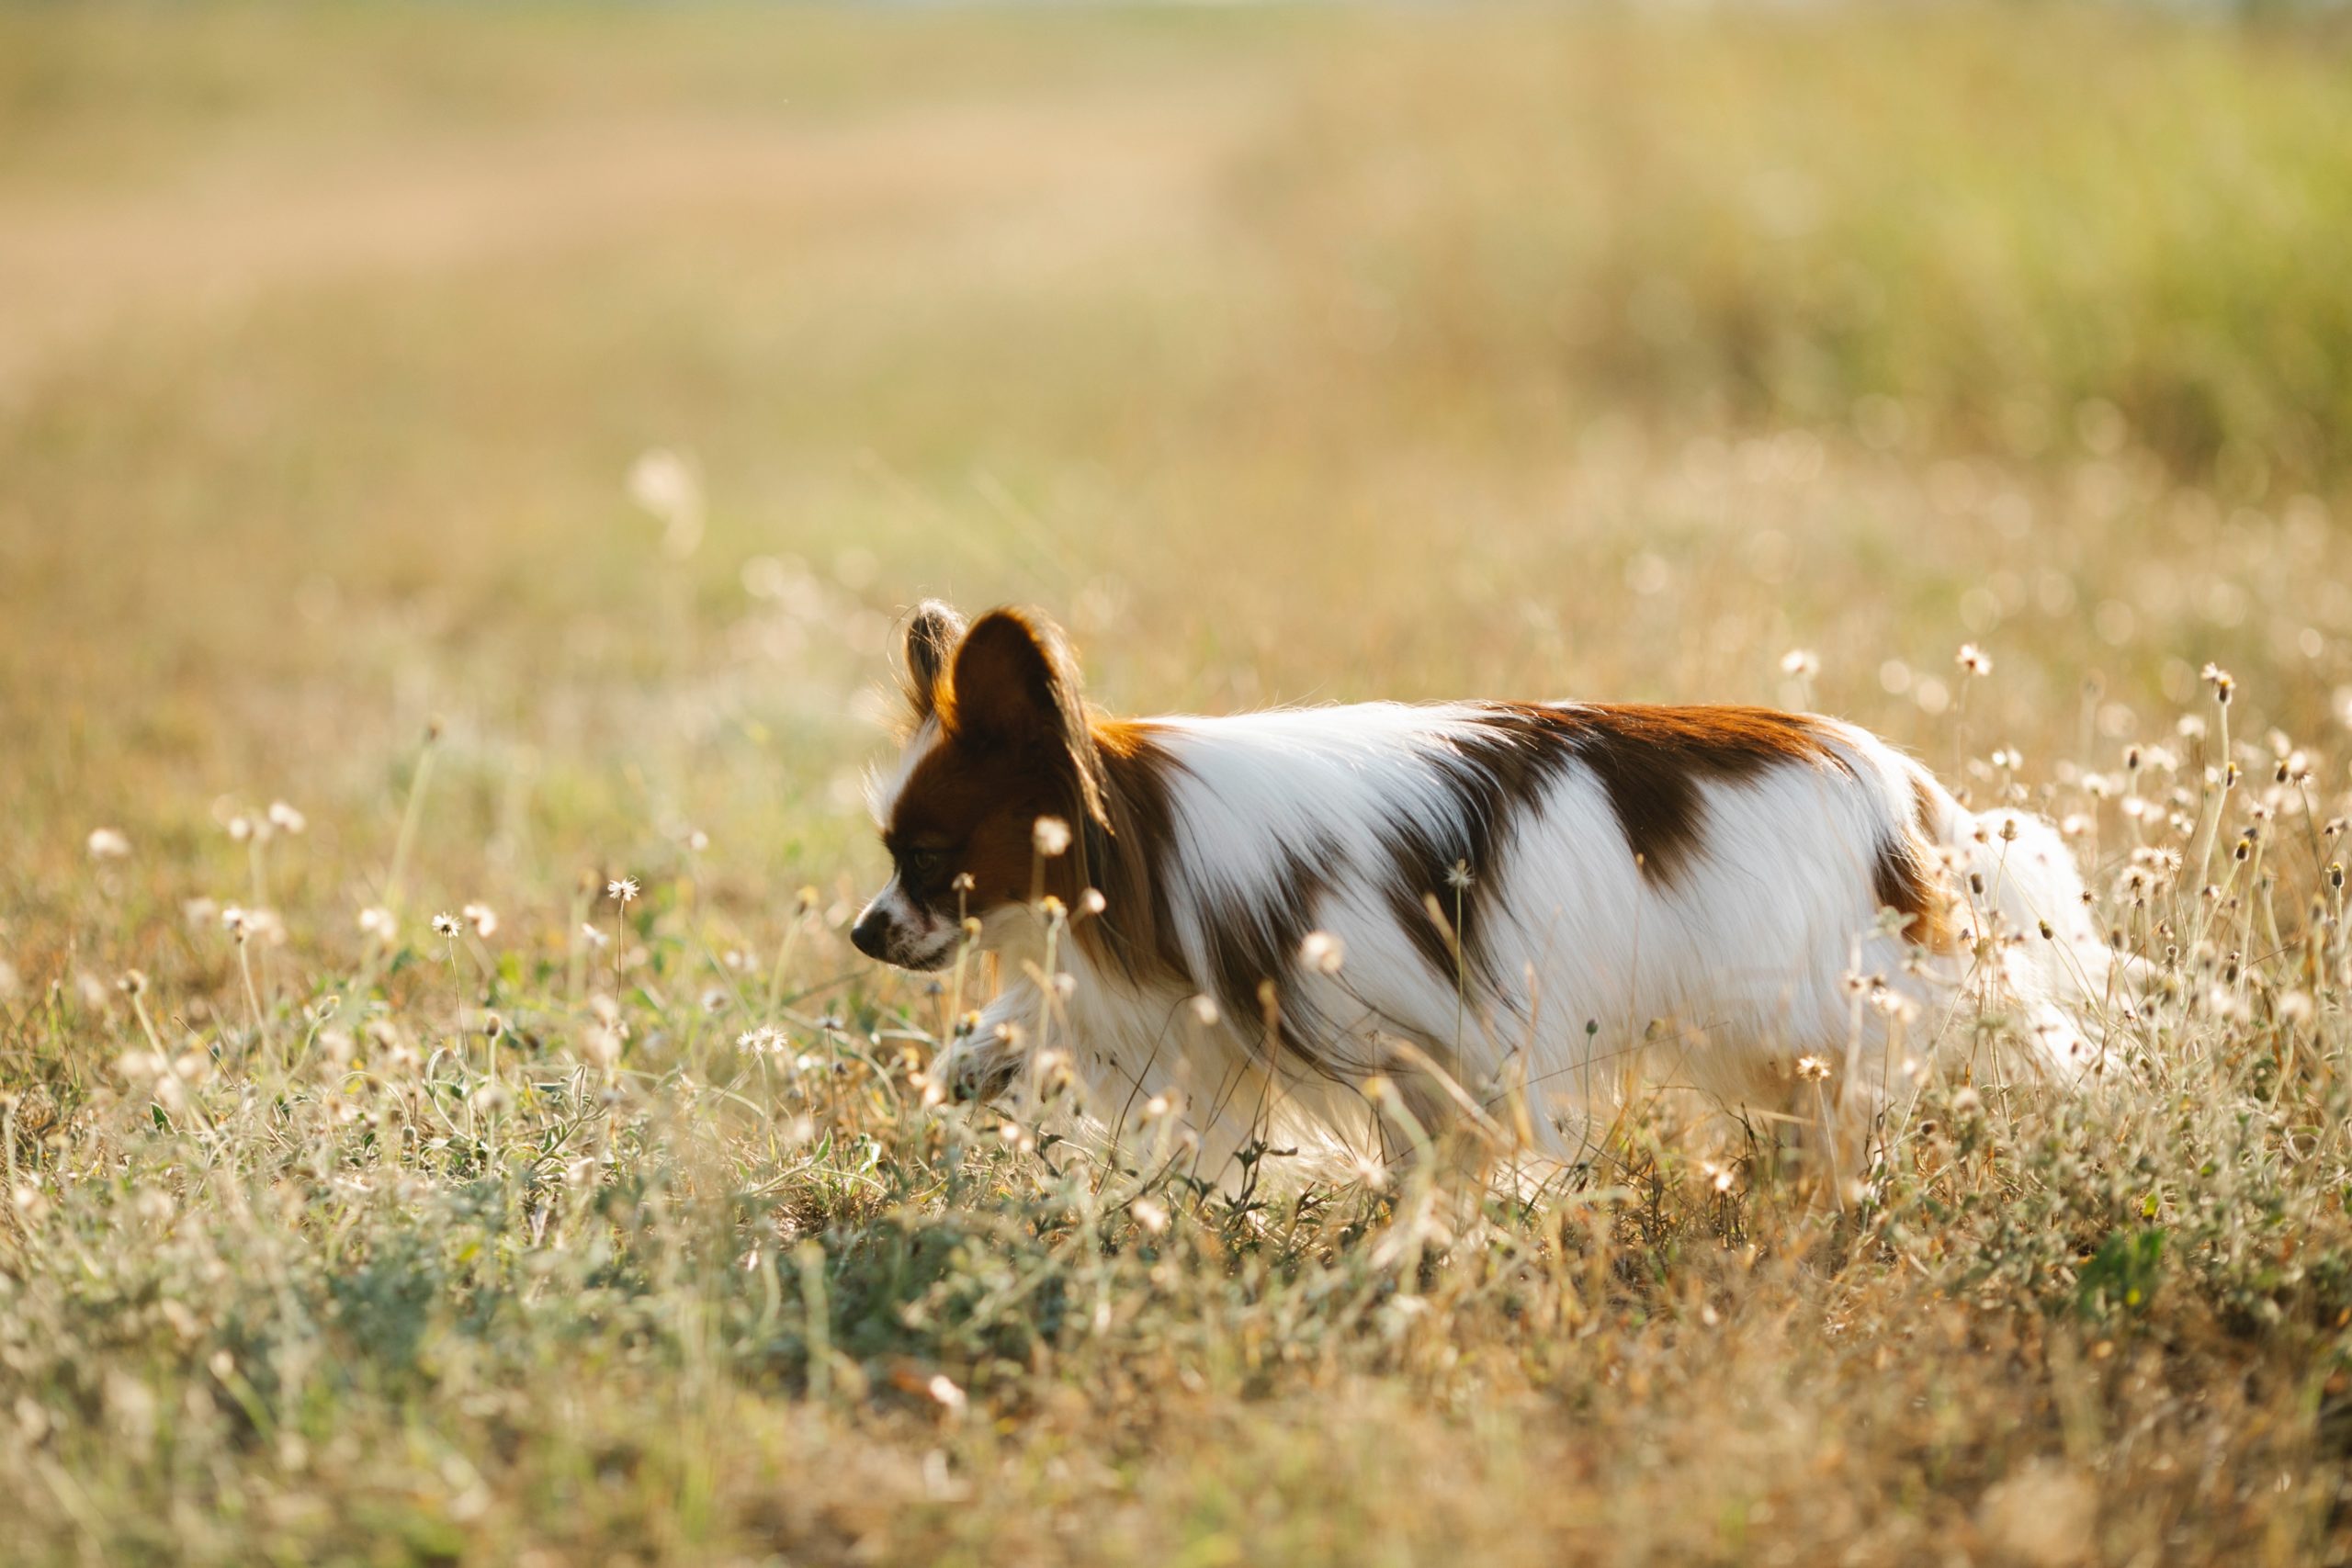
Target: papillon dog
(1314, 927)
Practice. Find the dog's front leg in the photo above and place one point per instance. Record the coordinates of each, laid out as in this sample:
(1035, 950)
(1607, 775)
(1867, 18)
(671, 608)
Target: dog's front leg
(987, 1062)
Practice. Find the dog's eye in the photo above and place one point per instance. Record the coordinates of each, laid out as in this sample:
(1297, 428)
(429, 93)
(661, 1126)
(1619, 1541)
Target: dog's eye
(921, 865)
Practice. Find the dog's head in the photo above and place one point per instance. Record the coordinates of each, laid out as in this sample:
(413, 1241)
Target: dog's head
(997, 740)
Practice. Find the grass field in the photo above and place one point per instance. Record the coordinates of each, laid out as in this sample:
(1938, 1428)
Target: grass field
(1284, 355)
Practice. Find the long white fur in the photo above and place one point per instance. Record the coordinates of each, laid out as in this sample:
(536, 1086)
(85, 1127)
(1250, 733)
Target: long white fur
(1767, 949)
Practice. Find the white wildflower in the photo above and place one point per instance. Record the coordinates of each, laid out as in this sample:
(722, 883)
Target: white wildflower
(602, 1045)
(665, 483)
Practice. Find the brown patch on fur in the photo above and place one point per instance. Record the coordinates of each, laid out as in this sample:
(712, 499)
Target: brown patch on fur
(1907, 875)
(1255, 941)
(1125, 853)
(1493, 774)
(1650, 761)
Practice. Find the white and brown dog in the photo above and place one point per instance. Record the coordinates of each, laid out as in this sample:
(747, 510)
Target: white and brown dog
(1497, 907)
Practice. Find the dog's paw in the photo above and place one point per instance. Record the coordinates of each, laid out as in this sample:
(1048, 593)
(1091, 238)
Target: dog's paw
(973, 1072)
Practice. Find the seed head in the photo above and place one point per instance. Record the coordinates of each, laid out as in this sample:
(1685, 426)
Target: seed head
(445, 924)
(482, 918)
(286, 817)
(1051, 835)
(622, 888)
(1459, 877)
(376, 922)
(1893, 1004)
(247, 924)
(108, 843)
(2219, 679)
(1323, 952)
(1801, 662)
(1974, 661)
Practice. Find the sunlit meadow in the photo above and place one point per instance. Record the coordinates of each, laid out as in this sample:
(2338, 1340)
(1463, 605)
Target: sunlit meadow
(459, 475)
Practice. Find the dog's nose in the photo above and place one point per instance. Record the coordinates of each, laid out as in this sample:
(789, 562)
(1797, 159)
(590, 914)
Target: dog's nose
(869, 933)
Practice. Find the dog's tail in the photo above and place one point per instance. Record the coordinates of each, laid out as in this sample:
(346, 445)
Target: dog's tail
(2019, 911)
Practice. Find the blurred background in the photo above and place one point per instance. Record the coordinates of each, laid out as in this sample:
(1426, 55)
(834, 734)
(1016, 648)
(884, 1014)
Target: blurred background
(604, 381)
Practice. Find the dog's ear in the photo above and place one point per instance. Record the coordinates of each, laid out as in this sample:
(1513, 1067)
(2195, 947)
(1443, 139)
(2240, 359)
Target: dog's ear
(1015, 684)
(932, 632)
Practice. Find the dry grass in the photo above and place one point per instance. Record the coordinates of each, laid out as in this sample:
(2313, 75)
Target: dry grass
(1286, 356)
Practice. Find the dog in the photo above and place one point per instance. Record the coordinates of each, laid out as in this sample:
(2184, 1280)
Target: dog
(1335, 928)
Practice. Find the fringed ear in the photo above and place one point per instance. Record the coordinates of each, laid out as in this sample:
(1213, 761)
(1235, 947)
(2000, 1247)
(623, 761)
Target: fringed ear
(1015, 684)
(932, 632)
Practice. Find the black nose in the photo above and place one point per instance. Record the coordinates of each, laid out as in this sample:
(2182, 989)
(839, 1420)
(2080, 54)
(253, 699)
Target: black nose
(867, 934)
